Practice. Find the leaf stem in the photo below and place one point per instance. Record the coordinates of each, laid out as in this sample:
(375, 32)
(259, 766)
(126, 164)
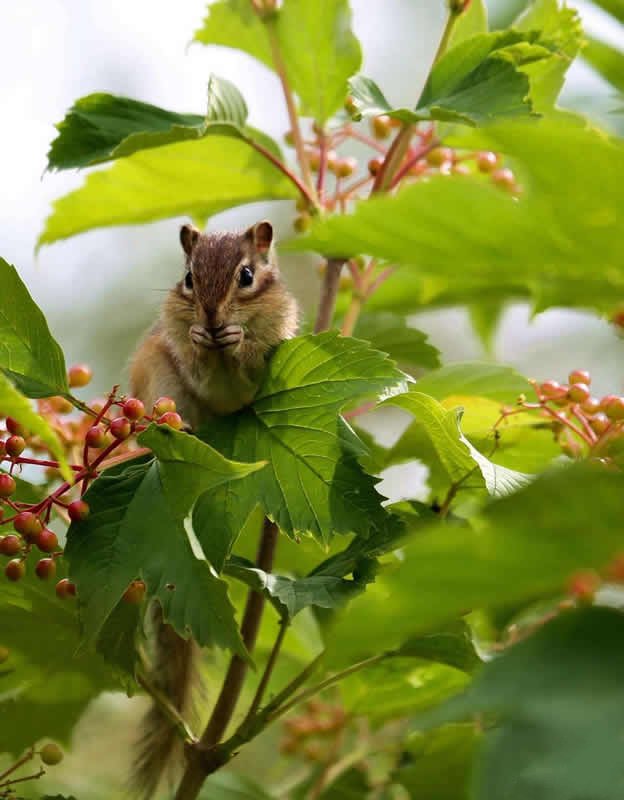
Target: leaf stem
(200, 765)
(303, 189)
(293, 117)
(329, 293)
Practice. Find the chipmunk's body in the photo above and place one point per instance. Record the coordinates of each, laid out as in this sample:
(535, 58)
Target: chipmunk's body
(217, 326)
(207, 351)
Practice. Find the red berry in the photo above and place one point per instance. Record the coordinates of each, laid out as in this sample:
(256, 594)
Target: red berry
(96, 436)
(28, 524)
(133, 408)
(374, 165)
(7, 485)
(15, 445)
(121, 428)
(439, 156)
(486, 161)
(162, 405)
(600, 423)
(78, 510)
(46, 568)
(47, 541)
(381, 126)
(14, 427)
(578, 392)
(65, 588)
(79, 375)
(172, 419)
(2, 449)
(15, 569)
(613, 406)
(10, 545)
(579, 376)
(505, 179)
(135, 593)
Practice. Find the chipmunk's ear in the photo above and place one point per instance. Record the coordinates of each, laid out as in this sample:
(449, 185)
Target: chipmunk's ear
(260, 235)
(188, 238)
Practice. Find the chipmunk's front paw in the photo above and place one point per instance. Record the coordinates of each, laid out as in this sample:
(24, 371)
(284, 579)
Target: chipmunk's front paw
(228, 336)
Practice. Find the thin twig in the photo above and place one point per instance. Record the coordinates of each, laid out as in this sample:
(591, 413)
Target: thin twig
(268, 670)
(329, 293)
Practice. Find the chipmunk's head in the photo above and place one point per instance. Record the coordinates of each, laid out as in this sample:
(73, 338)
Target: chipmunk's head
(229, 277)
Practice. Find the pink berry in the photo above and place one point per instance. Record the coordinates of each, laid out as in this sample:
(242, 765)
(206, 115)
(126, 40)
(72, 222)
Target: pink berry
(7, 485)
(45, 568)
(65, 588)
(172, 419)
(120, 428)
(133, 408)
(10, 545)
(47, 541)
(96, 437)
(15, 569)
(28, 524)
(78, 510)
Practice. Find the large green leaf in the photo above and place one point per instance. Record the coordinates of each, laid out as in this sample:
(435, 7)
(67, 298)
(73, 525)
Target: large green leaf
(13, 404)
(28, 352)
(471, 23)
(477, 378)
(459, 458)
(314, 39)
(524, 545)
(391, 334)
(557, 244)
(101, 127)
(313, 482)
(560, 701)
(136, 530)
(45, 686)
(198, 178)
(613, 7)
(606, 60)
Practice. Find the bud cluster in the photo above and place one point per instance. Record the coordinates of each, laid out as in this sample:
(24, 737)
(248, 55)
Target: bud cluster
(92, 438)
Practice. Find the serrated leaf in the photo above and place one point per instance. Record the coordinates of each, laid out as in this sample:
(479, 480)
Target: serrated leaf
(14, 404)
(606, 60)
(314, 39)
(313, 482)
(559, 698)
(292, 595)
(29, 354)
(103, 127)
(555, 245)
(46, 686)
(521, 547)
(168, 181)
(136, 530)
(459, 458)
(391, 334)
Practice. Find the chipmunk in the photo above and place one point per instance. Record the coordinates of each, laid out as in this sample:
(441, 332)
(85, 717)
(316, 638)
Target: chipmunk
(207, 351)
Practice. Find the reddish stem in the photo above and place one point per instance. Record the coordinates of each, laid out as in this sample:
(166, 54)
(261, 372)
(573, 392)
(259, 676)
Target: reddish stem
(368, 140)
(320, 178)
(421, 152)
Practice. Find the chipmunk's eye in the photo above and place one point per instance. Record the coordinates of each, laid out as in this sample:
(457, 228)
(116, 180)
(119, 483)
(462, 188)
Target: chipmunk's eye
(188, 280)
(245, 277)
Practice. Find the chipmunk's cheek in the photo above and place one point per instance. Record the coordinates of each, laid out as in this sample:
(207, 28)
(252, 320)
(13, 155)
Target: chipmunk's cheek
(228, 336)
(201, 337)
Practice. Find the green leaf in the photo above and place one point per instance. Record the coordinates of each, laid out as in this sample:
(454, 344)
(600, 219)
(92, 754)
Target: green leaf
(476, 378)
(391, 334)
(320, 53)
(136, 529)
(559, 697)
(13, 404)
(45, 686)
(232, 786)
(560, 31)
(313, 482)
(438, 765)
(606, 60)
(613, 7)
(558, 246)
(523, 546)
(292, 595)
(233, 23)
(471, 23)
(314, 40)
(166, 182)
(459, 458)
(101, 127)
(28, 353)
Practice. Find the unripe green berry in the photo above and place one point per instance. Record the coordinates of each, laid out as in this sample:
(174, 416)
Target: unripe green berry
(51, 754)
(439, 156)
(15, 569)
(302, 222)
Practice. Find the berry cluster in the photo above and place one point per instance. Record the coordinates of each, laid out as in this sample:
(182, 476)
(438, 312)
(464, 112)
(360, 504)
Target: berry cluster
(95, 437)
(424, 156)
(584, 425)
(314, 733)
